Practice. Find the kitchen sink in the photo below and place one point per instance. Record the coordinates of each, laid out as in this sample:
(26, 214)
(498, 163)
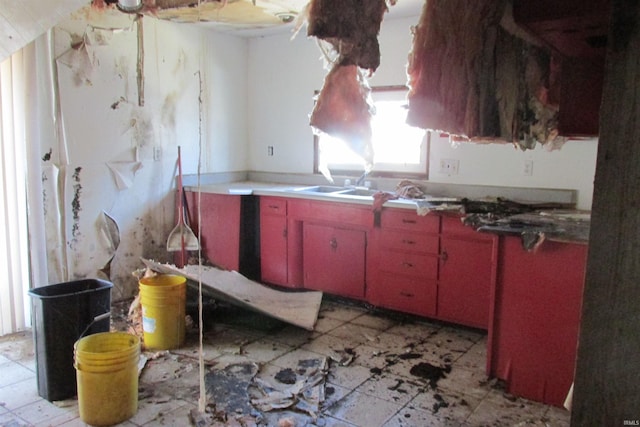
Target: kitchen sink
(321, 189)
(333, 190)
(359, 192)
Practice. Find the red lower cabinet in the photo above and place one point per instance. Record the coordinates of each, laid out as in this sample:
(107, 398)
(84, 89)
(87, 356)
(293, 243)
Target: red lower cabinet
(467, 274)
(334, 260)
(221, 227)
(273, 240)
(465, 281)
(404, 263)
(532, 345)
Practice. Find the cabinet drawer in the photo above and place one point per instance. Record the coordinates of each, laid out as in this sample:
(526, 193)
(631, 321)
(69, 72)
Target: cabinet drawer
(273, 206)
(403, 293)
(425, 266)
(331, 212)
(404, 240)
(406, 219)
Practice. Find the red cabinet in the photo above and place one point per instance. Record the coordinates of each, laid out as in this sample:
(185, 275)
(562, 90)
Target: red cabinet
(405, 267)
(334, 260)
(532, 345)
(467, 274)
(221, 216)
(229, 235)
(273, 240)
(314, 244)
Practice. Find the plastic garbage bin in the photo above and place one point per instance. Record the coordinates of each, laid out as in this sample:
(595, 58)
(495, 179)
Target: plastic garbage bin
(61, 314)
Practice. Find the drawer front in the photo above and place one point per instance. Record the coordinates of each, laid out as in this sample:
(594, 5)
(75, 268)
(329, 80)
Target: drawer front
(403, 293)
(404, 240)
(273, 206)
(425, 266)
(406, 219)
(331, 212)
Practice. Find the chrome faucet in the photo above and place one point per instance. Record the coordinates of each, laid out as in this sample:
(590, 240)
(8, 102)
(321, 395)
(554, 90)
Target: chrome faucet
(360, 180)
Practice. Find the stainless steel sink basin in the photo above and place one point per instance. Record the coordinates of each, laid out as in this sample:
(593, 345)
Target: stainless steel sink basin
(321, 189)
(359, 192)
(334, 190)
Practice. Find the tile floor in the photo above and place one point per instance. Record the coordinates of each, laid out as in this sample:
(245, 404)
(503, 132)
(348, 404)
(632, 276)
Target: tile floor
(376, 388)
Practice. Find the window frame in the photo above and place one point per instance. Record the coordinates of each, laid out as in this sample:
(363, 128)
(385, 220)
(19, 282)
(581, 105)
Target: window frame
(376, 173)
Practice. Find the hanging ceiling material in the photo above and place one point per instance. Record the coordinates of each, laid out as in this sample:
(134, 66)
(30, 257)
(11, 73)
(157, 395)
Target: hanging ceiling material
(238, 14)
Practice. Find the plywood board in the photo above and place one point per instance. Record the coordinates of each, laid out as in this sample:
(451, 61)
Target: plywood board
(298, 308)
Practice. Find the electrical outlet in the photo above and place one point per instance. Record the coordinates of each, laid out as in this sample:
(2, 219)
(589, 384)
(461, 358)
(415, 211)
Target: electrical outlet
(157, 152)
(527, 167)
(449, 166)
(270, 150)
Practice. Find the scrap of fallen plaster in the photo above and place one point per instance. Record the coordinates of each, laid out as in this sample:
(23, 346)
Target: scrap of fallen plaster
(124, 172)
(142, 362)
(306, 394)
(342, 357)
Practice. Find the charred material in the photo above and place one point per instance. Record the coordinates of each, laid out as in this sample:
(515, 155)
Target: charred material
(471, 78)
(351, 27)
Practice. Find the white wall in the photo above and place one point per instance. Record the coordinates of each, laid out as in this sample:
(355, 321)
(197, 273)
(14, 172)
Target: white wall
(283, 75)
(571, 167)
(105, 126)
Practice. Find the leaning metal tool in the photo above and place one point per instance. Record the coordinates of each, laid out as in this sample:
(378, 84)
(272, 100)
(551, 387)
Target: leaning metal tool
(181, 237)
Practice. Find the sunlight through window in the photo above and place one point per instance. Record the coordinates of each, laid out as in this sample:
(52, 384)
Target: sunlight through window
(398, 147)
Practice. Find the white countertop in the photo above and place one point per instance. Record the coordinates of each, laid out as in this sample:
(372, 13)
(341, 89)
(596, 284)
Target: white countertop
(287, 190)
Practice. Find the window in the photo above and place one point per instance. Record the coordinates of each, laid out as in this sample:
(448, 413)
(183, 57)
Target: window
(399, 149)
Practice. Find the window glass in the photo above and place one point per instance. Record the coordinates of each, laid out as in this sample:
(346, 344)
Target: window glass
(398, 147)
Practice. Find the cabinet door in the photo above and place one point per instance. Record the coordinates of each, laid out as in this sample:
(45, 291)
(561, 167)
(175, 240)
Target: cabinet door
(220, 239)
(273, 249)
(334, 260)
(465, 280)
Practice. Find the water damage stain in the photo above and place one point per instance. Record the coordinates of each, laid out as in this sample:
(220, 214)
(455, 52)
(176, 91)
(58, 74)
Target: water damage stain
(47, 156)
(75, 203)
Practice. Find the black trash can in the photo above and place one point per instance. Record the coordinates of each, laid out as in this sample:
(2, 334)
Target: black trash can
(61, 314)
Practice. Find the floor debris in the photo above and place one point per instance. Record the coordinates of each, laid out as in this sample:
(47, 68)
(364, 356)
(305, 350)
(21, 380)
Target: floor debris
(430, 373)
(228, 388)
(305, 393)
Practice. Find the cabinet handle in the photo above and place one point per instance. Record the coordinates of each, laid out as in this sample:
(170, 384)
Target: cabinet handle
(408, 242)
(284, 233)
(408, 221)
(444, 256)
(333, 243)
(276, 207)
(406, 294)
(406, 264)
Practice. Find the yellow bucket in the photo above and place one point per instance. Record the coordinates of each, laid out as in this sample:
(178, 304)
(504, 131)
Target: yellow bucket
(163, 300)
(107, 377)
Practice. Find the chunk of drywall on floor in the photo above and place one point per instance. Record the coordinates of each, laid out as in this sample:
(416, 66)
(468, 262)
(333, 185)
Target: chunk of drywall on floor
(298, 308)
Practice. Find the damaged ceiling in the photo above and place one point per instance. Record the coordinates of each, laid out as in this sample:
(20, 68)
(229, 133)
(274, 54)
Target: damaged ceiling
(22, 22)
(250, 18)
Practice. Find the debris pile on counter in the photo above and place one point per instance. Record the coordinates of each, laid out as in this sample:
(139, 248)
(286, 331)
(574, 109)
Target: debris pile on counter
(533, 222)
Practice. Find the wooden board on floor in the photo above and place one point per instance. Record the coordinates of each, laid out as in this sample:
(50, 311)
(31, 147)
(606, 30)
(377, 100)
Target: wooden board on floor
(298, 308)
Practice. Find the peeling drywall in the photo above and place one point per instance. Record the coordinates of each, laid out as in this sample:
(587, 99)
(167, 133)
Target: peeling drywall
(113, 165)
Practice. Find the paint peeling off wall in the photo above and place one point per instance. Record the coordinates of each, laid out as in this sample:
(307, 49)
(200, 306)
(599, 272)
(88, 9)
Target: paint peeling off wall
(108, 179)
